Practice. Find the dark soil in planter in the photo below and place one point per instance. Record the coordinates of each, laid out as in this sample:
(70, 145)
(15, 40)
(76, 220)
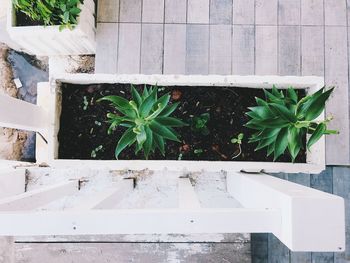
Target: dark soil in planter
(84, 129)
(24, 20)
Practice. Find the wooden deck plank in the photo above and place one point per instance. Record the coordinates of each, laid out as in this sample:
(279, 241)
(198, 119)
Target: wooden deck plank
(105, 60)
(289, 50)
(133, 252)
(198, 11)
(152, 49)
(130, 10)
(129, 48)
(336, 74)
(243, 12)
(312, 12)
(341, 187)
(174, 49)
(175, 11)
(108, 11)
(259, 248)
(220, 12)
(266, 12)
(323, 182)
(153, 11)
(266, 50)
(288, 12)
(243, 50)
(220, 49)
(277, 251)
(297, 257)
(197, 49)
(335, 12)
(312, 50)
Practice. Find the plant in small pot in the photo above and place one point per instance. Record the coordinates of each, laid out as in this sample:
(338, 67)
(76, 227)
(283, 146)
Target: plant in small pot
(53, 27)
(282, 121)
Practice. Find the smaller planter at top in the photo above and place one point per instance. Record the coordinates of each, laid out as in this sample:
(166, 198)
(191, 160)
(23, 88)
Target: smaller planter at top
(48, 28)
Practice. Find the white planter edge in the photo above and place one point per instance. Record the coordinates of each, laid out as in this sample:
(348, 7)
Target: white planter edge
(315, 159)
(50, 41)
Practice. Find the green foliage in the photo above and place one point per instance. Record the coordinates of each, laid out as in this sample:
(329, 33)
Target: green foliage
(282, 121)
(238, 139)
(51, 12)
(147, 119)
(199, 123)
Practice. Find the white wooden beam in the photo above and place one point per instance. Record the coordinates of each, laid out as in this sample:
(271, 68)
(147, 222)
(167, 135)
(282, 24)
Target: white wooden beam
(18, 114)
(308, 215)
(187, 196)
(36, 198)
(140, 221)
(108, 198)
(12, 182)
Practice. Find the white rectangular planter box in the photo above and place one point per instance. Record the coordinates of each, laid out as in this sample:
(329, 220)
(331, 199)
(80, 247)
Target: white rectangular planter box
(49, 41)
(315, 159)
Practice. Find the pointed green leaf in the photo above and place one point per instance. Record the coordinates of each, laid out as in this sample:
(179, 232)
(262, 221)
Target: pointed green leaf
(136, 96)
(163, 131)
(160, 143)
(283, 112)
(171, 122)
(147, 146)
(316, 135)
(124, 141)
(281, 143)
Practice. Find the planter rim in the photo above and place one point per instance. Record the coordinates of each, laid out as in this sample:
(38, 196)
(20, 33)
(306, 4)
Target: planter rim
(315, 159)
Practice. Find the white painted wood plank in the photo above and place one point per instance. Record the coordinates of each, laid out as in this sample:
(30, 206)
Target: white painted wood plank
(152, 49)
(130, 10)
(36, 198)
(289, 12)
(18, 114)
(289, 50)
(108, 198)
(312, 12)
(306, 214)
(243, 12)
(198, 11)
(243, 50)
(12, 182)
(197, 49)
(108, 11)
(140, 221)
(220, 12)
(335, 12)
(312, 51)
(106, 58)
(153, 11)
(174, 49)
(266, 50)
(266, 12)
(133, 252)
(336, 74)
(220, 58)
(129, 48)
(175, 11)
(188, 198)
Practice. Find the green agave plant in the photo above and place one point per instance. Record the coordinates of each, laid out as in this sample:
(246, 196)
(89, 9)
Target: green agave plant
(282, 120)
(147, 119)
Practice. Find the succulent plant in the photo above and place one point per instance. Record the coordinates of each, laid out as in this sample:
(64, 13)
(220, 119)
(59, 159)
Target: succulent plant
(146, 118)
(282, 120)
